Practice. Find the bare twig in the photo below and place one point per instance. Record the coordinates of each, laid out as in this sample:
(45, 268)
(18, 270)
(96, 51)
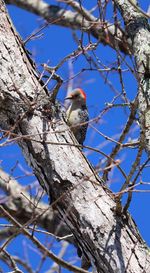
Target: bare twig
(123, 134)
(41, 247)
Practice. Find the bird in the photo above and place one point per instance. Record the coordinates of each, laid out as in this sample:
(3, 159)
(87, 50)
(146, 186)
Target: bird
(77, 115)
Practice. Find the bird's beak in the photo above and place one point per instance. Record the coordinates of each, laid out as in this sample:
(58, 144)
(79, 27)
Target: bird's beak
(68, 98)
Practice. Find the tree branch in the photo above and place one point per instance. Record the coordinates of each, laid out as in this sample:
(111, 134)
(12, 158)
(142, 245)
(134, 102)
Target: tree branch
(137, 27)
(23, 207)
(104, 32)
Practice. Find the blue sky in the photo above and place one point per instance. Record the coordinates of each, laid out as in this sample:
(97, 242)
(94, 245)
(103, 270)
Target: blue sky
(54, 44)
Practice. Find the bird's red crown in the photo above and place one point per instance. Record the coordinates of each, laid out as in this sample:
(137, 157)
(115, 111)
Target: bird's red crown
(83, 93)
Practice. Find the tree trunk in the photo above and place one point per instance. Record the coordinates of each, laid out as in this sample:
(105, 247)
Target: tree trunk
(137, 28)
(110, 241)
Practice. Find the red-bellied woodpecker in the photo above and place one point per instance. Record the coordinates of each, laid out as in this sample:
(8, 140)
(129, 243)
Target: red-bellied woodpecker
(77, 116)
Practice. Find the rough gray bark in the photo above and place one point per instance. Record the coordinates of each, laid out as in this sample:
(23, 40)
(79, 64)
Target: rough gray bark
(110, 241)
(138, 30)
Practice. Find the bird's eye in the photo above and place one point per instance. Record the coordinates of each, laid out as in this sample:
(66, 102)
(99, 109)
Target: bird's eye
(76, 95)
